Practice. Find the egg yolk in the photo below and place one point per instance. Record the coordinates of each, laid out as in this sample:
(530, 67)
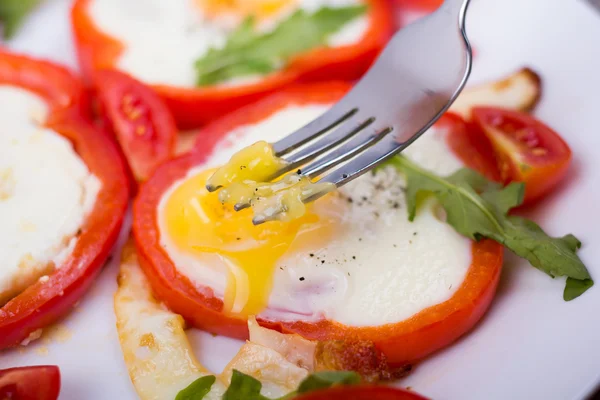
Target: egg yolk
(281, 200)
(256, 162)
(260, 9)
(246, 180)
(198, 223)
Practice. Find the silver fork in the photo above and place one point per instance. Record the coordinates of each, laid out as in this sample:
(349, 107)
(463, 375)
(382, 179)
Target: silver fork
(415, 80)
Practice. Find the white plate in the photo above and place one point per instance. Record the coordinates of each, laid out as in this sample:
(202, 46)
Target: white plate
(531, 344)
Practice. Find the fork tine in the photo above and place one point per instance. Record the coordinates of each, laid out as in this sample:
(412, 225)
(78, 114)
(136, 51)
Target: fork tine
(382, 149)
(323, 164)
(349, 128)
(241, 206)
(345, 152)
(348, 150)
(363, 162)
(257, 220)
(343, 133)
(312, 130)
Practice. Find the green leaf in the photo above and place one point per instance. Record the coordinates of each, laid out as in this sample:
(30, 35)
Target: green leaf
(326, 379)
(197, 389)
(506, 198)
(12, 14)
(248, 52)
(555, 256)
(243, 386)
(576, 287)
(475, 180)
(478, 209)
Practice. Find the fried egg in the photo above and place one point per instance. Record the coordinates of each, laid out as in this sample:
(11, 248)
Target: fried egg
(162, 39)
(353, 257)
(46, 191)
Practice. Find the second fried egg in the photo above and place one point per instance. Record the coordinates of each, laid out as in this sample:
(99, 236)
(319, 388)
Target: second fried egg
(163, 39)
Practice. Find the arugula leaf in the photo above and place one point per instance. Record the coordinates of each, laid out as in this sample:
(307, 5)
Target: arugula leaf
(12, 14)
(505, 198)
(248, 52)
(576, 287)
(243, 386)
(476, 208)
(197, 389)
(326, 379)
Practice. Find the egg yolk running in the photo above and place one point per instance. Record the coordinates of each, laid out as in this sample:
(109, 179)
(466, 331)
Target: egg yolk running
(198, 223)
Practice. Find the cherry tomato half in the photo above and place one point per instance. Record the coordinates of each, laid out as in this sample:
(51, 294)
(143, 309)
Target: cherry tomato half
(30, 383)
(140, 120)
(526, 149)
(473, 148)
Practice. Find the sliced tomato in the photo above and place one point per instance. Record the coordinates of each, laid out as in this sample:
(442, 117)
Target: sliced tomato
(193, 106)
(361, 393)
(473, 149)
(526, 149)
(402, 342)
(46, 301)
(30, 383)
(140, 120)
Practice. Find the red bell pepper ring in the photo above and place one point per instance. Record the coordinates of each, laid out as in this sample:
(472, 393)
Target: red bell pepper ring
(361, 393)
(41, 382)
(403, 342)
(410, 10)
(193, 106)
(46, 301)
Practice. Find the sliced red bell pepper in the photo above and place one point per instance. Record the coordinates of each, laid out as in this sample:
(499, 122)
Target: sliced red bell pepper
(46, 301)
(139, 119)
(196, 106)
(402, 342)
(41, 382)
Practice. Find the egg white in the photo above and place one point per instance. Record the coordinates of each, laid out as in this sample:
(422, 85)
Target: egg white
(379, 269)
(46, 191)
(162, 39)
